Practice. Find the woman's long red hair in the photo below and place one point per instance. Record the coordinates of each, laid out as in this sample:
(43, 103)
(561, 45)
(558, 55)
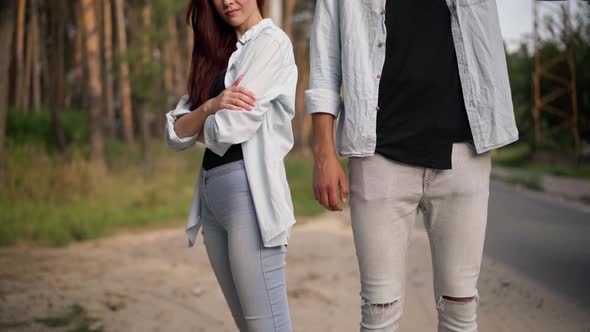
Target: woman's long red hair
(213, 42)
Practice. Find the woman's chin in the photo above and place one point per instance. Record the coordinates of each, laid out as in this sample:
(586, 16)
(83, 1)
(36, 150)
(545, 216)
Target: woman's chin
(235, 21)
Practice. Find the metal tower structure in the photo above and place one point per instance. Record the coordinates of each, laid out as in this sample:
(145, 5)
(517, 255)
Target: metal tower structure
(565, 85)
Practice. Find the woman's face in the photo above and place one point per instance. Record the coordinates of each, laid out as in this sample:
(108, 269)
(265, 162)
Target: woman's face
(236, 12)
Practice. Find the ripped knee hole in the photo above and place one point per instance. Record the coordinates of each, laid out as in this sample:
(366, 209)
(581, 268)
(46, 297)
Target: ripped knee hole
(459, 299)
(378, 309)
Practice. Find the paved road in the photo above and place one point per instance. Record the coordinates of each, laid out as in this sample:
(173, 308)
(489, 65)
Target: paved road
(547, 240)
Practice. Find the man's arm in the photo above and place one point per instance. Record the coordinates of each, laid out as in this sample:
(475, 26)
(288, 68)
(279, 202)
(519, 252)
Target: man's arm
(328, 175)
(325, 77)
(324, 103)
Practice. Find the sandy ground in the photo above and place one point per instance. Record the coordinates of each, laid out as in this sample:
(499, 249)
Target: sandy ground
(152, 282)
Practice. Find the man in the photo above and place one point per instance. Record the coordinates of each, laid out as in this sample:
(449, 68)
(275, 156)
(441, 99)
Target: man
(425, 97)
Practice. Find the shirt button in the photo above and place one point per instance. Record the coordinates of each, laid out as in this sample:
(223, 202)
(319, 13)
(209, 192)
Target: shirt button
(383, 12)
(379, 76)
(380, 45)
(377, 108)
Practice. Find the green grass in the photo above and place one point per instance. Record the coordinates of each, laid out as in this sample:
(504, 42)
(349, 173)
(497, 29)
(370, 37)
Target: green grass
(76, 315)
(63, 320)
(47, 200)
(519, 157)
(299, 174)
(512, 156)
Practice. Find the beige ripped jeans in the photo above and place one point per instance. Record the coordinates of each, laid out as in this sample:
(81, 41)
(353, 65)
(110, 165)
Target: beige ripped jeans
(385, 197)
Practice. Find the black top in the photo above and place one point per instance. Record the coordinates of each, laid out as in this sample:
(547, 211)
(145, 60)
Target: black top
(234, 153)
(421, 109)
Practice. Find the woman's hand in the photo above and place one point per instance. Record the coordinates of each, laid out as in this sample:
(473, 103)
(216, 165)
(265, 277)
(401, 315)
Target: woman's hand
(233, 98)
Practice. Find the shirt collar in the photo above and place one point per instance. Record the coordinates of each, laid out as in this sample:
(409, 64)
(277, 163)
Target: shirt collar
(254, 31)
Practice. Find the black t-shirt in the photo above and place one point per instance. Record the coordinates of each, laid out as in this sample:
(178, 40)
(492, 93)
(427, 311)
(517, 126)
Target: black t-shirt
(234, 153)
(422, 112)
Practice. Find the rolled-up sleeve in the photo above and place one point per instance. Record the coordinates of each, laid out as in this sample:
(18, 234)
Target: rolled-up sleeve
(173, 141)
(219, 148)
(265, 69)
(323, 95)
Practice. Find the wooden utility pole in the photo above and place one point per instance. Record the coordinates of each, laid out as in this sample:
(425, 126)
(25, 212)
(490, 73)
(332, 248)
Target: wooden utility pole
(543, 100)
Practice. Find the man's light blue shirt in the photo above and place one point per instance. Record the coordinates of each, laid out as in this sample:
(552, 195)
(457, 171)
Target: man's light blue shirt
(348, 52)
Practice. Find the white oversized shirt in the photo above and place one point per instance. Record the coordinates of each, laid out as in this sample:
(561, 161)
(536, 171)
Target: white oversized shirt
(264, 55)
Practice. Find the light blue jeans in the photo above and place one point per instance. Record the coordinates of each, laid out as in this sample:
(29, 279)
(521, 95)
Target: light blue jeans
(251, 276)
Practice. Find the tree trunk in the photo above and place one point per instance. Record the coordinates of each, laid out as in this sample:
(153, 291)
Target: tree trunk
(275, 12)
(92, 46)
(300, 135)
(76, 91)
(300, 42)
(26, 89)
(289, 10)
(169, 69)
(37, 66)
(179, 79)
(167, 51)
(144, 128)
(126, 114)
(189, 50)
(6, 30)
(108, 70)
(43, 49)
(170, 62)
(56, 52)
(168, 88)
(20, 44)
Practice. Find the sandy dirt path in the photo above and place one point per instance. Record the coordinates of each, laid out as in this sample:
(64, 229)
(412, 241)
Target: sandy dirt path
(151, 282)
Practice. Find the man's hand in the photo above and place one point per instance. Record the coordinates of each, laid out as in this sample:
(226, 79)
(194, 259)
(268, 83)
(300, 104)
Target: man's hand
(328, 176)
(328, 179)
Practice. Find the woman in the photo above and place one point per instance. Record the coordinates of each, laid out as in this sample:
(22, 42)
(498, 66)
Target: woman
(242, 198)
